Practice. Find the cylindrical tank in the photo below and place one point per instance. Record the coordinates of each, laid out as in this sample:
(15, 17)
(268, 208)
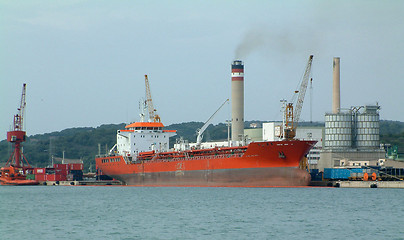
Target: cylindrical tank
(237, 100)
(367, 129)
(338, 130)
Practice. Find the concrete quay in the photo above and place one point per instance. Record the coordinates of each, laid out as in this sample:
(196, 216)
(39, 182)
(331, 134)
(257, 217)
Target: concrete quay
(81, 183)
(369, 184)
(59, 183)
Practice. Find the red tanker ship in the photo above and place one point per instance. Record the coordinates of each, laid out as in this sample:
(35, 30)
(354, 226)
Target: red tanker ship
(142, 156)
(259, 164)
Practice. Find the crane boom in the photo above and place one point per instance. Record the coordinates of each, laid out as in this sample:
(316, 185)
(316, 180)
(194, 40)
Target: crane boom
(302, 91)
(149, 102)
(203, 128)
(292, 113)
(19, 117)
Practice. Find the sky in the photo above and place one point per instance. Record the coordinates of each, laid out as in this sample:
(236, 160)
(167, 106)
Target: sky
(84, 61)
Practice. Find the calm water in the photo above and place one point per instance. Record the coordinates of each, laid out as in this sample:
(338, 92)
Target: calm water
(57, 212)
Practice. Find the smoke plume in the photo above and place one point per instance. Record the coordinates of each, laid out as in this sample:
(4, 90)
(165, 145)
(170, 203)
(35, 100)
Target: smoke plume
(265, 42)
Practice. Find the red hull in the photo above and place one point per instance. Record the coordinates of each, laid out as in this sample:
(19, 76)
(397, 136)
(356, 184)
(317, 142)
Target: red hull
(14, 176)
(17, 182)
(260, 164)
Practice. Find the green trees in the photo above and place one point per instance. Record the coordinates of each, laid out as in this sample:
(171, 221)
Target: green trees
(392, 132)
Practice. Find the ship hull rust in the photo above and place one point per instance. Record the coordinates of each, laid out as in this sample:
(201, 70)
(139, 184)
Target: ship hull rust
(255, 177)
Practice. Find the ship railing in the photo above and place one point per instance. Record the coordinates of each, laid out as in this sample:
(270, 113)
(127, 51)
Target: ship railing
(126, 159)
(187, 158)
(103, 155)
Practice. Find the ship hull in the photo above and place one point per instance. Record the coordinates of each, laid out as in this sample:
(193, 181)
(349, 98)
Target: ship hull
(266, 164)
(253, 177)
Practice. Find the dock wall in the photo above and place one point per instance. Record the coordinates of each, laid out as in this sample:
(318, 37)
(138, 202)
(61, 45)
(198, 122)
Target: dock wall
(370, 184)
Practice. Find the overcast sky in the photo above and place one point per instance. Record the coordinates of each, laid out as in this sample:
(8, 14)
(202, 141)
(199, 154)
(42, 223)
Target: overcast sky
(84, 61)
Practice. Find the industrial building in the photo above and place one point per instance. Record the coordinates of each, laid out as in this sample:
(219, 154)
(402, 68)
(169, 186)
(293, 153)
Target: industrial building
(352, 139)
(351, 136)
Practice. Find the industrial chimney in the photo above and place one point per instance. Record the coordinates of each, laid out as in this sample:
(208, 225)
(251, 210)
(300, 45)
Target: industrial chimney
(336, 86)
(237, 100)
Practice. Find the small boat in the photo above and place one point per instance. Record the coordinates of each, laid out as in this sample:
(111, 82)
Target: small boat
(14, 176)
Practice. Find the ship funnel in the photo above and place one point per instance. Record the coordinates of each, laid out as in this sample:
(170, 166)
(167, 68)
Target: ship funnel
(336, 102)
(237, 100)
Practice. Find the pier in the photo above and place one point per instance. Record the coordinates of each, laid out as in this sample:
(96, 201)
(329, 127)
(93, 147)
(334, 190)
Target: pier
(358, 184)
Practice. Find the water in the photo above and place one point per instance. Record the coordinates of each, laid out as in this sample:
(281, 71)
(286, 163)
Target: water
(84, 212)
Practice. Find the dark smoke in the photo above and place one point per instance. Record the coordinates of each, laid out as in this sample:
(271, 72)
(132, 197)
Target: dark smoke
(252, 41)
(266, 43)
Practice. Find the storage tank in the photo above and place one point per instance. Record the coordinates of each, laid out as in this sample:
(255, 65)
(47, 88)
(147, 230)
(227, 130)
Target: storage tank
(367, 128)
(338, 130)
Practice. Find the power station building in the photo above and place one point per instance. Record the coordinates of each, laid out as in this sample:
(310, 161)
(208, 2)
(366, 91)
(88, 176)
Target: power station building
(351, 136)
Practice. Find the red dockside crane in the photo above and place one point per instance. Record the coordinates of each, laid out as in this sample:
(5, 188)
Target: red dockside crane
(14, 172)
(17, 135)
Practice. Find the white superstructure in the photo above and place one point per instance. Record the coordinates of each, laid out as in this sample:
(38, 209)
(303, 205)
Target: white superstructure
(142, 137)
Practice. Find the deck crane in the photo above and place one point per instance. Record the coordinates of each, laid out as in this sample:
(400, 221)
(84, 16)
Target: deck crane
(149, 102)
(203, 128)
(292, 114)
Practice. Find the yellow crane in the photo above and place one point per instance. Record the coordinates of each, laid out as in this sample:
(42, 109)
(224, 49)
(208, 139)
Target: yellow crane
(292, 114)
(149, 102)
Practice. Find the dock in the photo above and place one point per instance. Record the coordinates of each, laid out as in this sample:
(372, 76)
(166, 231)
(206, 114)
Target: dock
(358, 184)
(370, 184)
(82, 183)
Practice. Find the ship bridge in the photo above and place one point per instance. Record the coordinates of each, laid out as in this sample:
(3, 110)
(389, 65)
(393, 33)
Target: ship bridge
(140, 137)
